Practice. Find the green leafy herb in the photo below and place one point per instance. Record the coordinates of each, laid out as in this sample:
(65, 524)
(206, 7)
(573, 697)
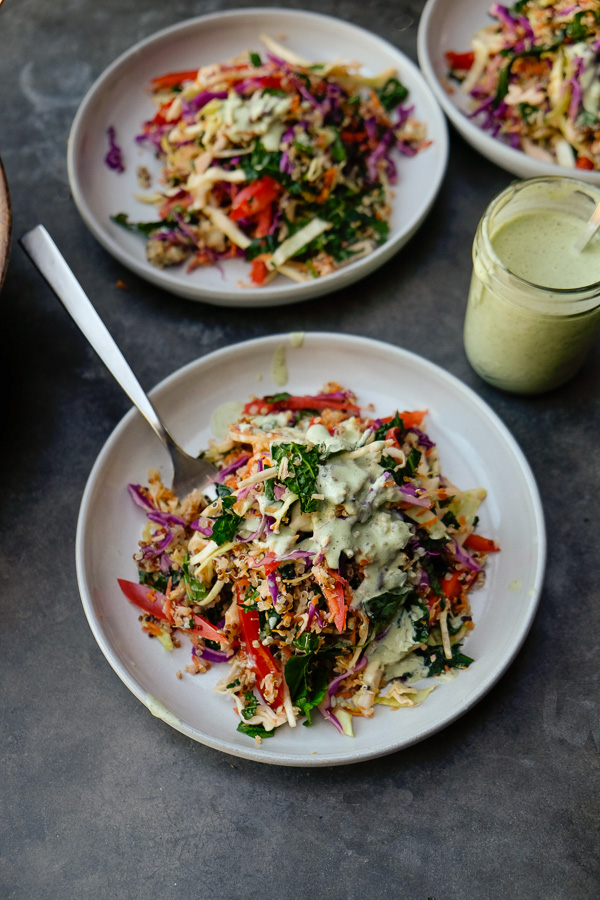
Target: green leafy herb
(158, 580)
(255, 60)
(578, 30)
(146, 228)
(270, 490)
(382, 608)
(194, 588)
(222, 490)
(266, 244)
(450, 519)
(436, 662)
(227, 525)
(421, 625)
(307, 679)
(337, 149)
(527, 111)
(250, 705)
(307, 642)
(392, 94)
(401, 473)
(250, 598)
(303, 468)
(435, 570)
(255, 731)
(396, 422)
(278, 398)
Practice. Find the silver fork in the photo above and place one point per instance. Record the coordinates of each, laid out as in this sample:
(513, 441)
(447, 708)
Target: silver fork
(188, 472)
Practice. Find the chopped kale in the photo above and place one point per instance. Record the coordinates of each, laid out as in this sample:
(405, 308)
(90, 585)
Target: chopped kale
(227, 525)
(577, 29)
(146, 228)
(158, 580)
(250, 704)
(396, 422)
(392, 94)
(255, 731)
(450, 520)
(266, 244)
(436, 662)
(382, 608)
(307, 677)
(401, 473)
(527, 111)
(303, 468)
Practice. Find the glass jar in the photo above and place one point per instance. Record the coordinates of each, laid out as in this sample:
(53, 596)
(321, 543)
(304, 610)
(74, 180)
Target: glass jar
(522, 335)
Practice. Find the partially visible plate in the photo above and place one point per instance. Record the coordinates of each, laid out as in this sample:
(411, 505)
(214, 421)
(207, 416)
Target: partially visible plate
(449, 25)
(476, 450)
(5, 224)
(120, 98)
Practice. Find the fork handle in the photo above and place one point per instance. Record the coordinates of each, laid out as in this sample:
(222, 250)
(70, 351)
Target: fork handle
(48, 259)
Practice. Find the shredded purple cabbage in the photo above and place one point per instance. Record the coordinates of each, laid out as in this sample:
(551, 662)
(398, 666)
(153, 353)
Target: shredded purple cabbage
(114, 157)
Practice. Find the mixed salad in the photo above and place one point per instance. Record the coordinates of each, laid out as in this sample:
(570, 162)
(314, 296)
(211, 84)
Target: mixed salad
(332, 572)
(282, 162)
(534, 77)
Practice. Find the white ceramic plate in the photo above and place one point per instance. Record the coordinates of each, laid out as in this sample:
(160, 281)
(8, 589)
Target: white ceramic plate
(449, 25)
(476, 450)
(120, 98)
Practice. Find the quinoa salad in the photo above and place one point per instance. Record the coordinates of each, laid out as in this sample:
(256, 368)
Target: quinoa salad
(270, 158)
(330, 575)
(533, 76)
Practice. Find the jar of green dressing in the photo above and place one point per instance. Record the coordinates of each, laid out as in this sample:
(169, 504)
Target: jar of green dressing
(534, 302)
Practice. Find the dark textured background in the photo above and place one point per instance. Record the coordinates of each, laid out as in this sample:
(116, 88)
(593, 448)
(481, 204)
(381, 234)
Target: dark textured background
(98, 799)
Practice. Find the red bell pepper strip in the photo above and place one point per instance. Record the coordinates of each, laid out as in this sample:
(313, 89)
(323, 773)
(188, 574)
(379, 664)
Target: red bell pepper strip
(254, 197)
(336, 602)
(481, 544)
(451, 585)
(263, 221)
(152, 601)
(259, 657)
(259, 271)
(462, 61)
(583, 162)
(204, 629)
(172, 79)
(270, 81)
(294, 402)
(144, 596)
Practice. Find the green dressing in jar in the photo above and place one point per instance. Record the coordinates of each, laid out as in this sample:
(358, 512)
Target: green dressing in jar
(534, 303)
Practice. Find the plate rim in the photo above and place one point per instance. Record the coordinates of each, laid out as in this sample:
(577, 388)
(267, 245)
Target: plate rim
(289, 292)
(496, 151)
(253, 752)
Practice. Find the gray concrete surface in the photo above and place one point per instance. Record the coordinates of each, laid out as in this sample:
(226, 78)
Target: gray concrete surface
(100, 800)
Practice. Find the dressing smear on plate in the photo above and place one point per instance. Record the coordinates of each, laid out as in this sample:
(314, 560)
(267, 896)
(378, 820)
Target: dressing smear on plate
(331, 574)
(282, 162)
(534, 76)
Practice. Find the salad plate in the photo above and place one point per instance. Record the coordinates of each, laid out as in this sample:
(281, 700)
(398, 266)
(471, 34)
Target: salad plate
(448, 26)
(476, 450)
(120, 99)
